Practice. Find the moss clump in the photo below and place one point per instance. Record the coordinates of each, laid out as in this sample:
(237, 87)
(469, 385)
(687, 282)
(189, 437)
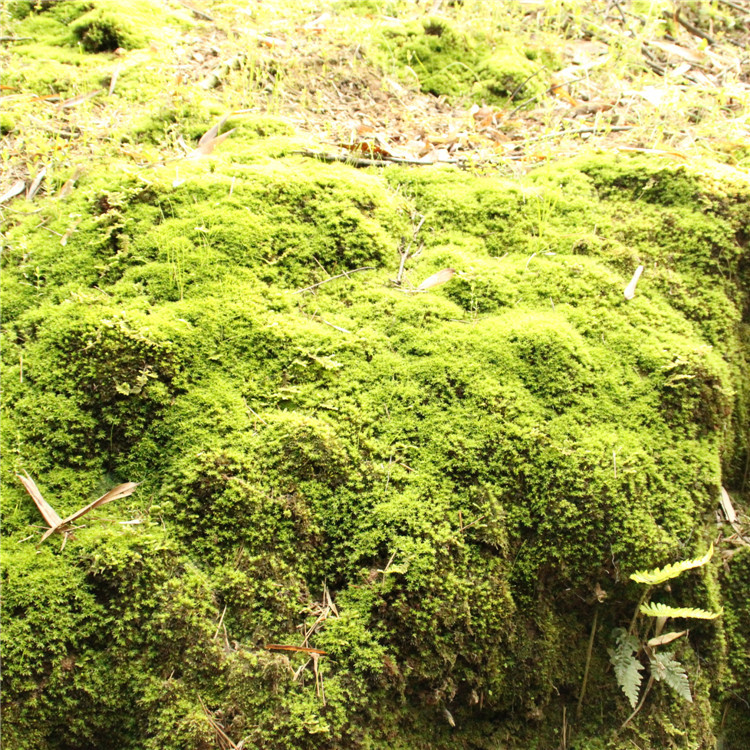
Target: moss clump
(430, 485)
(91, 638)
(449, 62)
(737, 622)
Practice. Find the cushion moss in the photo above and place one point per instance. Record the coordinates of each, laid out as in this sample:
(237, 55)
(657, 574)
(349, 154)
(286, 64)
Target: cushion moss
(458, 468)
(451, 62)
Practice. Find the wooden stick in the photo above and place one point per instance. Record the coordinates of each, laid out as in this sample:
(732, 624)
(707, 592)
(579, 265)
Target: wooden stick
(579, 707)
(333, 278)
(357, 161)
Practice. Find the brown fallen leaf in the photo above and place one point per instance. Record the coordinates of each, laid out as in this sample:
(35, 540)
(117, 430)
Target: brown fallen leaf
(69, 232)
(556, 89)
(76, 100)
(68, 186)
(49, 514)
(727, 507)
(210, 140)
(692, 56)
(436, 279)
(662, 640)
(303, 649)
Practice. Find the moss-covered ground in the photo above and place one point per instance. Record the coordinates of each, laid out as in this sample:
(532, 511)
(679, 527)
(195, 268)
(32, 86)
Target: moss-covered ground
(441, 489)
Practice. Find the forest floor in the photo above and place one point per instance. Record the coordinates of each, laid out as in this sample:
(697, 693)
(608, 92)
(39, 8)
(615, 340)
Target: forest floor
(663, 78)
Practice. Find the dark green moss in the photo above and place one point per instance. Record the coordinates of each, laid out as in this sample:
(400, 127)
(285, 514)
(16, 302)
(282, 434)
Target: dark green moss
(458, 469)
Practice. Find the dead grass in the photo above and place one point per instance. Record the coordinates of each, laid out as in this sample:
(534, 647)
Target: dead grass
(631, 75)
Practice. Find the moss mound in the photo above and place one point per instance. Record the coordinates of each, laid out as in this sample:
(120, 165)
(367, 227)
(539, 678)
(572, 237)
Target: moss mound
(429, 487)
(453, 63)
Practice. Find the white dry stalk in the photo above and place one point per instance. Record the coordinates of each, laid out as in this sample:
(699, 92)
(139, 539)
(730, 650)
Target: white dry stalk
(630, 288)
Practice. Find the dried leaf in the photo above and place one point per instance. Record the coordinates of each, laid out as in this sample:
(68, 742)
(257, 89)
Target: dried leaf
(654, 95)
(50, 516)
(36, 184)
(436, 279)
(318, 24)
(116, 493)
(692, 56)
(211, 133)
(210, 140)
(72, 228)
(76, 100)
(727, 507)
(115, 76)
(662, 640)
(17, 188)
(303, 649)
(47, 511)
(630, 288)
(69, 184)
(556, 89)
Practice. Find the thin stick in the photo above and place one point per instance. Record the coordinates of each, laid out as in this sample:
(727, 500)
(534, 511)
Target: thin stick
(253, 412)
(356, 161)
(221, 620)
(196, 11)
(640, 705)
(580, 131)
(579, 707)
(333, 278)
(523, 83)
(631, 628)
(405, 254)
(694, 29)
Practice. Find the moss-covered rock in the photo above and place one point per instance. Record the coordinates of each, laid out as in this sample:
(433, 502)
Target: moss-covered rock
(427, 486)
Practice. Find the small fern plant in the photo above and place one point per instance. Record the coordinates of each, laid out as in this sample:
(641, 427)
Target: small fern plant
(663, 666)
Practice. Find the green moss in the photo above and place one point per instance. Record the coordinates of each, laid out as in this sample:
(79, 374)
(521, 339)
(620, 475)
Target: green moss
(737, 621)
(457, 468)
(124, 614)
(450, 62)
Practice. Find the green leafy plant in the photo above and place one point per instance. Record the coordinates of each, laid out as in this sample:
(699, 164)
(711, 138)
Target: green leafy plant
(663, 666)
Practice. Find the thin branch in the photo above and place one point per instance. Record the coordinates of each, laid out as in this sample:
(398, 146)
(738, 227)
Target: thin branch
(694, 30)
(579, 708)
(640, 705)
(221, 622)
(580, 131)
(645, 593)
(333, 278)
(356, 161)
(196, 11)
(524, 82)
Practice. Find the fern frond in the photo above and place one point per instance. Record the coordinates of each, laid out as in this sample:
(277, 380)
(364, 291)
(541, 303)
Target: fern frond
(627, 667)
(664, 610)
(659, 575)
(666, 667)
